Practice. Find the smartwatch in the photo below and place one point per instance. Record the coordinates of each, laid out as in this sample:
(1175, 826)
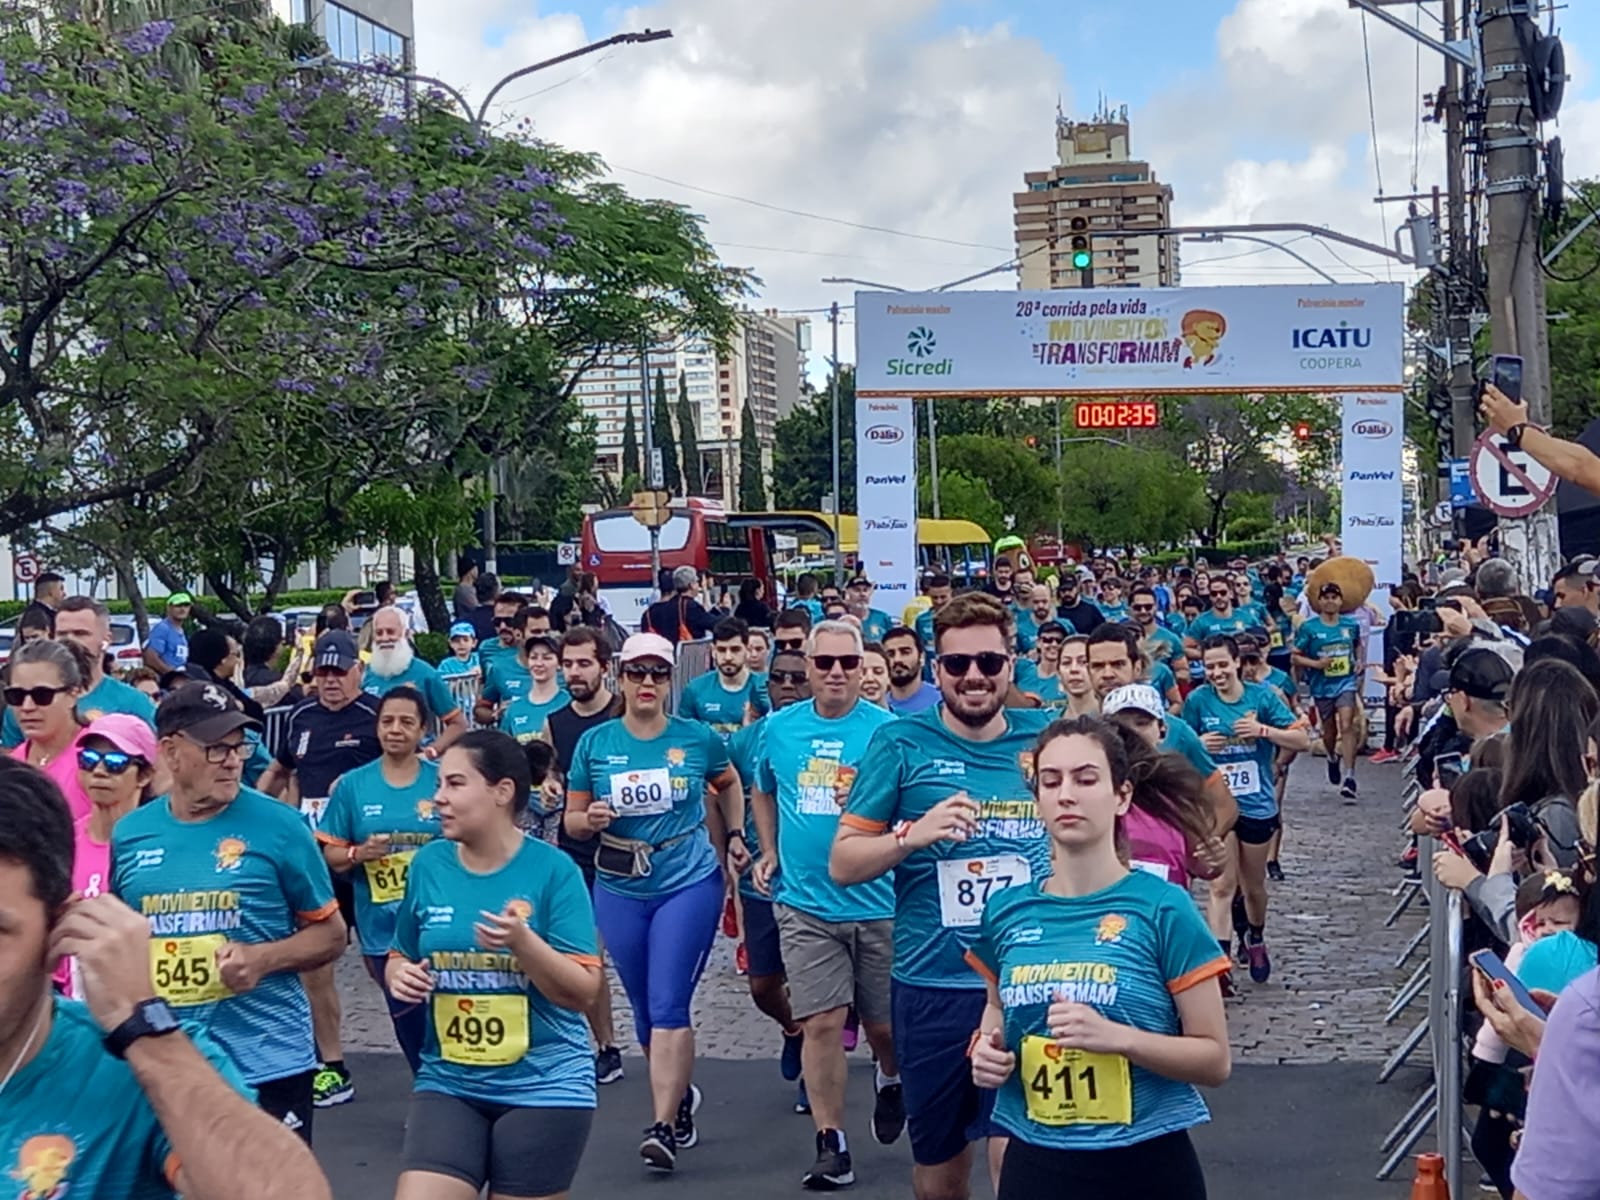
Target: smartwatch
(151, 1018)
(1514, 434)
(733, 833)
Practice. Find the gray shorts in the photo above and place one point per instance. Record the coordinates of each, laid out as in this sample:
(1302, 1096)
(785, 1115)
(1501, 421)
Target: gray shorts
(833, 964)
(1328, 706)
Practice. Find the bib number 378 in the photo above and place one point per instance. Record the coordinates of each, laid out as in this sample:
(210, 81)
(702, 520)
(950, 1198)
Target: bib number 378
(1074, 1087)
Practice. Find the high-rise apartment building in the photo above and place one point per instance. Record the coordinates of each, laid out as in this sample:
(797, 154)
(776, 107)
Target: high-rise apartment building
(1098, 191)
(358, 30)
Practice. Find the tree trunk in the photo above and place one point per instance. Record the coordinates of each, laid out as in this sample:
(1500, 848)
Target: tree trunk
(324, 580)
(393, 564)
(238, 604)
(430, 593)
(279, 579)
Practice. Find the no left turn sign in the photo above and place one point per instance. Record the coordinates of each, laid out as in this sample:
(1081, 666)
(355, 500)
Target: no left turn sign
(1507, 479)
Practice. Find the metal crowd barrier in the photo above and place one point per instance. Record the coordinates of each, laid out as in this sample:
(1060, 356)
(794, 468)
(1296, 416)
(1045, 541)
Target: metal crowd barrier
(1439, 976)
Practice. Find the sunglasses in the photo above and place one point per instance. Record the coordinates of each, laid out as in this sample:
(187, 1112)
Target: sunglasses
(1143, 607)
(639, 674)
(795, 677)
(505, 622)
(41, 696)
(989, 663)
(797, 644)
(826, 662)
(1051, 641)
(114, 761)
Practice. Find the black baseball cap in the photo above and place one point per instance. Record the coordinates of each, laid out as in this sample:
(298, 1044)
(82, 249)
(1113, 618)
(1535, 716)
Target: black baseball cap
(206, 712)
(548, 640)
(1481, 674)
(336, 649)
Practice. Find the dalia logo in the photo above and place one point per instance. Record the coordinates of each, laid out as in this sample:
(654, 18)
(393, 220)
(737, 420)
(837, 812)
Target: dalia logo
(1372, 429)
(920, 342)
(885, 434)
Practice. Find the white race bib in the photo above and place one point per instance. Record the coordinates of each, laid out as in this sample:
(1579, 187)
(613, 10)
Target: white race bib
(1159, 870)
(641, 793)
(965, 885)
(1244, 778)
(313, 807)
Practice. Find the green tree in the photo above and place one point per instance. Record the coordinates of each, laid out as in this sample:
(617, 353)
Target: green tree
(694, 483)
(630, 444)
(1574, 293)
(1127, 496)
(965, 498)
(752, 486)
(1022, 486)
(661, 434)
(802, 457)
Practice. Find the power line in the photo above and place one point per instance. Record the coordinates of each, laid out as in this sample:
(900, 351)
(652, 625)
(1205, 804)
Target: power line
(810, 216)
(1372, 120)
(1416, 93)
(839, 254)
(573, 78)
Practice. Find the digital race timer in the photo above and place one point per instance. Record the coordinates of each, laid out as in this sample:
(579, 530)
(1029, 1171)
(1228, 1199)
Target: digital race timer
(1116, 414)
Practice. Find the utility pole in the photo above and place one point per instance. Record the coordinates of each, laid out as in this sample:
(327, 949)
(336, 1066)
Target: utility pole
(933, 456)
(1460, 278)
(652, 476)
(1516, 278)
(838, 525)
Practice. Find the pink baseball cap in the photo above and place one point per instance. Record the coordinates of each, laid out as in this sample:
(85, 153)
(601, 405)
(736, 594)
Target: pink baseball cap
(127, 733)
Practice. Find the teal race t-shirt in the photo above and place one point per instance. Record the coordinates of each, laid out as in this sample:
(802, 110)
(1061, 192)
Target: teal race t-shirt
(1161, 645)
(1162, 679)
(251, 873)
(912, 765)
(657, 788)
(76, 1123)
(706, 699)
(106, 697)
(1125, 951)
(524, 717)
(875, 625)
(505, 677)
(363, 805)
(492, 1036)
(1208, 623)
(1181, 739)
(1337, 643)
(803, 756)
(1246, 764)
(440, 699)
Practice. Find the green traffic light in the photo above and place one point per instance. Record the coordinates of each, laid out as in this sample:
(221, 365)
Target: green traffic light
(1080, 260)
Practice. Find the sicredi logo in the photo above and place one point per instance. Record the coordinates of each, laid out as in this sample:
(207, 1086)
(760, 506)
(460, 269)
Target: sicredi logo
(885, 434)
(1369, 476)
(920, 342)
(1372, 429)
(885, 480)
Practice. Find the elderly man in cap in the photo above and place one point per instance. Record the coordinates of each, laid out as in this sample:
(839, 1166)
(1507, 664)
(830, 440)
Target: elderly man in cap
(167, 648)
(332, 731)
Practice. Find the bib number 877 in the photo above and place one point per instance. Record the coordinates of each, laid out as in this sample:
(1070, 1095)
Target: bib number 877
(970, 892)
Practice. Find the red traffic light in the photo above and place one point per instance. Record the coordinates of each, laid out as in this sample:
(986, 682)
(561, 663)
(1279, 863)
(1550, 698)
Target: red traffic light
(1302, 430)
(1032, 441)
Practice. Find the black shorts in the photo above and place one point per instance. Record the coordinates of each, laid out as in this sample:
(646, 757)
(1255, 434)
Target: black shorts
(582, 853)
(1256, 831)
(762, 947)
(344, 891)
(289, 1100)
(516, 1151)
(1164, 1166)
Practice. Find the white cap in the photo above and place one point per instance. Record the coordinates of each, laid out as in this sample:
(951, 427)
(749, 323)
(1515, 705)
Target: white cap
(1135, 697)
(647, 645)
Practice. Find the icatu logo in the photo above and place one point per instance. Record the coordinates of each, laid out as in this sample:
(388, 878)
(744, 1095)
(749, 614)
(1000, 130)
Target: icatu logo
(1372, 429)
(885, 434)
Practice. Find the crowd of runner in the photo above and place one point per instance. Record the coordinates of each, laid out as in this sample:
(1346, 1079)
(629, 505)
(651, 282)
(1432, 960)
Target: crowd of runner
(1017, 839)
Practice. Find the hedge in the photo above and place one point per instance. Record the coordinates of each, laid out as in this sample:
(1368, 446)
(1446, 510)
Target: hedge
(307, 598)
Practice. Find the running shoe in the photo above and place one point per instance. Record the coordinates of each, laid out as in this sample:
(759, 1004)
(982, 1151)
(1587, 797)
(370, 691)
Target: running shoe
(802, 1101)
(608, 1065)
(789, 1064)
(852, 1030)
(1260, 964)
(331, 1087)
(1385, 756)
(741, 960)
(683, 1130)
(1242, 955)
(1274, 871)
(832, 1170)
(889, 1114)
(1226, 981)
(730, 919)
(1333, 769)
(659, 1148)
(1347, 791)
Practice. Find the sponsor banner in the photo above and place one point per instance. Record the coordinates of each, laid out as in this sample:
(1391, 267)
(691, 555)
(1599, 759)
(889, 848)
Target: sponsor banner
(886, 497)
(1372, 487)
(1117, 342)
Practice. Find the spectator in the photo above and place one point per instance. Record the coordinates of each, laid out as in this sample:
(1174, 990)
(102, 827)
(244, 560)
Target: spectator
(167, 648)
(486, 590)
(753, 609)
(680, 617)
(1574, 586)
(49, 590)
(1496, 585)
(466, 594)
(35, 625)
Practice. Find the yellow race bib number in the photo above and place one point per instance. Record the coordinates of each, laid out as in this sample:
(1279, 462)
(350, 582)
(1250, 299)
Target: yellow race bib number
(185, 969)
(1075, 1087)
(386, 877)
(481, 1031)
(1338, 666)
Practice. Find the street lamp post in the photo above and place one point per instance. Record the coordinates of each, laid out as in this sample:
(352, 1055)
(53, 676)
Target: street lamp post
(1245, 237)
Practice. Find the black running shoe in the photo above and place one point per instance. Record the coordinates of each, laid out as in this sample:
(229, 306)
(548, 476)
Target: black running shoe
(802, 1101)
(1347, 792)
(832, 1170)
(889, 1114)
(608, 1065)
(1274, 871)
(1333, 770)
(659, 1148)
(683, 1128)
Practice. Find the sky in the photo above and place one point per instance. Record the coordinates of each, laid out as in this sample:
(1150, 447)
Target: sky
(919, 117)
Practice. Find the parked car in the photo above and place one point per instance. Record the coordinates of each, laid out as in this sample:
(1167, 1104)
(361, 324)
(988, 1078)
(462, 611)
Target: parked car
(125, 646)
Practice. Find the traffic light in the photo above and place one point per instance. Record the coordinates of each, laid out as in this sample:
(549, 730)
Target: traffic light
(1082, 259)
(1032, 441)
(1302, 431)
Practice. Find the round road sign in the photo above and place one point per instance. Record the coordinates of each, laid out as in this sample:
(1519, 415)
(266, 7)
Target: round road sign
(1507, 479)
(25, 567)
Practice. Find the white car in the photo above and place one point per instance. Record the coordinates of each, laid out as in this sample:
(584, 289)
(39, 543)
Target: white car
(125, 644)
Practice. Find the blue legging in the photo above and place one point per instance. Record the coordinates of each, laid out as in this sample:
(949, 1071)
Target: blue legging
(410, 1020)
(660, 946)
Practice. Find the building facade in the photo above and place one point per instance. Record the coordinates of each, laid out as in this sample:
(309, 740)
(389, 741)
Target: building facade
(358, 30)
(1099, 191)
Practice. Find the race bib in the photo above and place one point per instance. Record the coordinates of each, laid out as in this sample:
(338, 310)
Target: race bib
(1338, 666)
(1075, 1087)
(1159, 870)
(481, 1031)
(386, 876)
(313, 808)
(641, 793)
(1275, 639)
(185, 969)
(965, 885)
(1244, 778)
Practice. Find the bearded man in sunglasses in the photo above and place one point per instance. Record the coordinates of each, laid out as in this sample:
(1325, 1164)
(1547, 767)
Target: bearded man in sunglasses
(946, 808)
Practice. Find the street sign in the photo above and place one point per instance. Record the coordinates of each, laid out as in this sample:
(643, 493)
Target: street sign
(658, 468)
(1460, 484)
(1506, 479)
(25, 567)
(566, 554)
(1442, 514)
(650, 509)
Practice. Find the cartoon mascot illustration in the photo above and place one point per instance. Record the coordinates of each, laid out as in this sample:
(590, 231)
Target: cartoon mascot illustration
(1202, 332)
(42, 1166)
(229, 851)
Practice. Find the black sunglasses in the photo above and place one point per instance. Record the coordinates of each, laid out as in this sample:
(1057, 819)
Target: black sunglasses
(114, 761)
(505, 622)
(826, 662)
(1051, 641)
(788, 676)
(41, 696)
(989, 663)
(1142, 607)
(654, 674)
(797, 644)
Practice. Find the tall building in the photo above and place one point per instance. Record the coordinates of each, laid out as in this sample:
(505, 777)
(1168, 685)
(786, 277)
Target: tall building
(1096, 190)
(358, 30)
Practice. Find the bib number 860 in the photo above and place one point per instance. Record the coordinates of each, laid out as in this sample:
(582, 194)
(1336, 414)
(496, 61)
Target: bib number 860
(639, 795)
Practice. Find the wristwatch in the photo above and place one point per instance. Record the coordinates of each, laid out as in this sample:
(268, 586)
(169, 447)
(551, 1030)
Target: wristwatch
(1514, 434)
(151, 1018)
(733, 833)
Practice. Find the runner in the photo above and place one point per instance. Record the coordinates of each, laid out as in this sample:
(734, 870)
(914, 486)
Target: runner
(44, 683)
(378, 815)
(729, 697)
(1328, 648)
(1221, 617)
(237, 899)
(787, 683)
(758, 652)
(495, 940)
(858, 601)
(1076, 682)
(909, 691)
(1042, 679)
(1159, 643)
(463, 661)
(789, 629)
(88, 623)
(394, 663)
(1138, 1044)
(123, 1047)
(524, 717)
(1242, 725)
(945, 807)
(939, 594)
(503, 676)
(838, 941)
(639, 785)
(1255, 650)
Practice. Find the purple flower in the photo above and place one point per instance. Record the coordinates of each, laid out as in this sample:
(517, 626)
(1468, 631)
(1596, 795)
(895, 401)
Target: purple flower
(149, 38)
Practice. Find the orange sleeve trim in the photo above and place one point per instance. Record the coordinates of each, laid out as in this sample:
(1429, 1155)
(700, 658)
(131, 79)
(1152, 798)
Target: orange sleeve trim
(584, 797)
(726, 777)
(170, 1169)
(1210, 970)
(396, 954)
(1216, 777)
(321, 914)
(864, 824)
(982, 968)
(327, 839)
(1299, 723)
(587, 960)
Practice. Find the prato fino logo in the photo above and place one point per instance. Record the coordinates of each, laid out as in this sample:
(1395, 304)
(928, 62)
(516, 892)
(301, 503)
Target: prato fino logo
(921, 345)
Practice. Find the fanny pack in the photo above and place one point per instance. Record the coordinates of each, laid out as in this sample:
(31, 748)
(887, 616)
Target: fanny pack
(629, 858)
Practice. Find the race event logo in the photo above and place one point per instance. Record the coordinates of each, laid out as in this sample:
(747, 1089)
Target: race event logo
(1203, 331)
(1111, 928)
(427, 810)
(42, 1166)
(520, 910)
(230, 853)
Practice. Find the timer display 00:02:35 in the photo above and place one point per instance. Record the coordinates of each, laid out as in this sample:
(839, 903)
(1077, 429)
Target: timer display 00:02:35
(1116, 414)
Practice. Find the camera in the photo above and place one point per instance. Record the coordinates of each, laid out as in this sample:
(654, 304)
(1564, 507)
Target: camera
(1523, 826)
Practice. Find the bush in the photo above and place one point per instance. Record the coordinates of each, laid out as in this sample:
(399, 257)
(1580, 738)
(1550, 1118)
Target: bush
(433, 648)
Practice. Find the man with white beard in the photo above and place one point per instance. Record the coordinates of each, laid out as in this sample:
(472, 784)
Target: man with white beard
(394, 663)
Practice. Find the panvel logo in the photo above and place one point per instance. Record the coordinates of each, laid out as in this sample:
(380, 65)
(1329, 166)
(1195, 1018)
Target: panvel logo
(885, 435)
(920, 344)
(1342, 336)
(1370, 476)
(1372, 429)
(885, 481)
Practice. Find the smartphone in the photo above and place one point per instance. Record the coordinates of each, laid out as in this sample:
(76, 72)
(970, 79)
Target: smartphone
(1489, 965)
(1505, 372)
(1427, 603)
(364, 600)
(1447, 768)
